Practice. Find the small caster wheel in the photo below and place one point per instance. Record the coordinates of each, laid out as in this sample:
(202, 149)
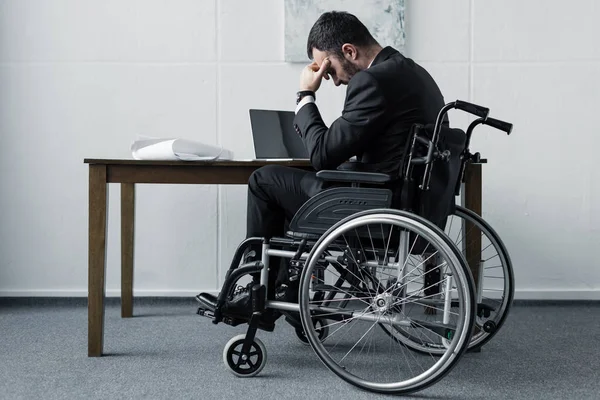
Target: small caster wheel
(321, 328)
(489, 327)
(244, 366)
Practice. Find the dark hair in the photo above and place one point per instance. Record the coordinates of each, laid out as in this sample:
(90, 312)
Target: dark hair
(333, 29)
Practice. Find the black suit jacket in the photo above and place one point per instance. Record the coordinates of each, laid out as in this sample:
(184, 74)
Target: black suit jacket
(382, 104)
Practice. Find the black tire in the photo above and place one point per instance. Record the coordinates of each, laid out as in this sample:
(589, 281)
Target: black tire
(244, 368)
(508, 273)
(465, 289)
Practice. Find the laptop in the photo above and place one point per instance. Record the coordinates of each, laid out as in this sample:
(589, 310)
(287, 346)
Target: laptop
(274, 135)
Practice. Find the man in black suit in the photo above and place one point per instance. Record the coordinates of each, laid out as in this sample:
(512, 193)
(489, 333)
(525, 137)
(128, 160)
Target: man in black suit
(386, 94)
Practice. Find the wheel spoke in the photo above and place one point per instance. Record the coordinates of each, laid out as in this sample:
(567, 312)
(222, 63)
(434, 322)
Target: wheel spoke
(379, 267)
(361, 338)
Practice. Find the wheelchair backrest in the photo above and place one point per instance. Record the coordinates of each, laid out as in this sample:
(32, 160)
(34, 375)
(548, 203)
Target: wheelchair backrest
(437, 201)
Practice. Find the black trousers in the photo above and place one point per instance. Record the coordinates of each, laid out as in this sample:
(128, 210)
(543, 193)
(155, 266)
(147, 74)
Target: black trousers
(275, 193)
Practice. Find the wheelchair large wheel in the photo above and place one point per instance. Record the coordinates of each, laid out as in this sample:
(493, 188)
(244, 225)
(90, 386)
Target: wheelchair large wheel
(484, 250)
(358, 277)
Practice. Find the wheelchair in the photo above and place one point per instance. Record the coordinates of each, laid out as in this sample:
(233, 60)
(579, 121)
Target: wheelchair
(380, 282)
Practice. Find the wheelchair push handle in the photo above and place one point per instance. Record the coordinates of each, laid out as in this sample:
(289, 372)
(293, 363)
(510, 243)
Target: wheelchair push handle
(471, 108)
(494, 123)
(501, 125)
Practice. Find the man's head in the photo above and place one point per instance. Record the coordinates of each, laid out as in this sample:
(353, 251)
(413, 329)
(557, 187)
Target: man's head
(345, 41)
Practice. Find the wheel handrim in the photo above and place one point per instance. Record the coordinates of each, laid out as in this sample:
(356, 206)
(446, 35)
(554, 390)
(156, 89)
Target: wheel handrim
(456, 344)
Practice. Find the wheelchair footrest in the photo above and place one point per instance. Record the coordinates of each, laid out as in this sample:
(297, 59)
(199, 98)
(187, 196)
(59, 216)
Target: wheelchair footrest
(233, 321)
(262, 325)
(205, 313)
(225, 319)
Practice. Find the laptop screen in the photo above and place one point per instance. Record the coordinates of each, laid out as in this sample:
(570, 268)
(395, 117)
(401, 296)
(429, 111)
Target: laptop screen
(274, 135)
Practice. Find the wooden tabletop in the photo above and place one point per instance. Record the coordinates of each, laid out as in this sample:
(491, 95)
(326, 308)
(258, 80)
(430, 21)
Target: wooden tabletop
(220, 163)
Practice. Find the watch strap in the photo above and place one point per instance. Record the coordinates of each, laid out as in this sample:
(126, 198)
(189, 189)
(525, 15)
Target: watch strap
(303, 93)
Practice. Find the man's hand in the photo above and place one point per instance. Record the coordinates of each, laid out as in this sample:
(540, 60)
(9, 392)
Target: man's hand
(311, 76)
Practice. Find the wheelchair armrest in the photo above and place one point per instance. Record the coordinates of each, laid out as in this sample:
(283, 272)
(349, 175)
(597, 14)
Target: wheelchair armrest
(354, 176)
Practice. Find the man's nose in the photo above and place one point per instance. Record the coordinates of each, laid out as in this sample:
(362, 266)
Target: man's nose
(337, 82)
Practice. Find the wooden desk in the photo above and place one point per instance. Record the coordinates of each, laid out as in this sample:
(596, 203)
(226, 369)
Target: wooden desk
(130, 172)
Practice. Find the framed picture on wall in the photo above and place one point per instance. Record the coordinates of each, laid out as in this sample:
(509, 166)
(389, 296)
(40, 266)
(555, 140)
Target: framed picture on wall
(383, 18)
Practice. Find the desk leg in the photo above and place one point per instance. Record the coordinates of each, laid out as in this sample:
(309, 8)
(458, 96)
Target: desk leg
(98, 192)
(127, 230)
(472, 233)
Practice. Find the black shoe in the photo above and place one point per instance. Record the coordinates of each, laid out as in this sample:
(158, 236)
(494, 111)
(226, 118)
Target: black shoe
(208, 301)
(239, 303)
(239, 306)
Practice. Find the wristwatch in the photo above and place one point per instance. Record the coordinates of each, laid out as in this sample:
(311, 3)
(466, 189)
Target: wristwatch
(303, 93)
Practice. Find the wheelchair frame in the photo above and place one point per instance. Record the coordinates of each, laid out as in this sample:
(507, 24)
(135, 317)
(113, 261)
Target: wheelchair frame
(277, 247)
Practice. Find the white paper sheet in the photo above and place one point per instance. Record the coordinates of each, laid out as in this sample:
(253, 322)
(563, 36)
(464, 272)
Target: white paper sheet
(170, 149)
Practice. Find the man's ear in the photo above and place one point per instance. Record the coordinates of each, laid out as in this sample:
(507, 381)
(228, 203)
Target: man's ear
(350, 51)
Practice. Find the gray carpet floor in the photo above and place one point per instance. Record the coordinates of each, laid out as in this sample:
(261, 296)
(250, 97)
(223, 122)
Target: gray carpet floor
(168, 352)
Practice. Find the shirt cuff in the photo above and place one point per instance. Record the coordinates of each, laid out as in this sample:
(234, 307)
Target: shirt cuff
(304, 101)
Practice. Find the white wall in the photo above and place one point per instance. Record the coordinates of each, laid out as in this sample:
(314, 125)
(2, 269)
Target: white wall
(81, 78)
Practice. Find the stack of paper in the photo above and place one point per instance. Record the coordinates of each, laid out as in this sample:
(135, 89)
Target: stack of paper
(176, 149)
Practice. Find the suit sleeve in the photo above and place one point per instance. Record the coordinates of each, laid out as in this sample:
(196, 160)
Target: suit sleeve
(362, 117)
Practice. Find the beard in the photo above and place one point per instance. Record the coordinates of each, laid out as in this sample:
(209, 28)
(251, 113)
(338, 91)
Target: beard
(349, 68)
